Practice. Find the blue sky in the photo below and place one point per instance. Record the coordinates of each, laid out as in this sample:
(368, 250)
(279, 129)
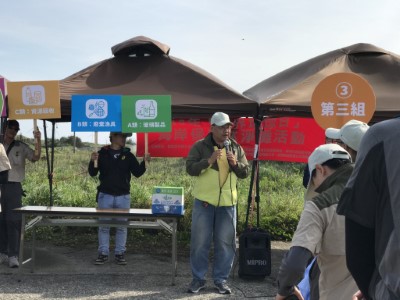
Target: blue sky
(240, 42)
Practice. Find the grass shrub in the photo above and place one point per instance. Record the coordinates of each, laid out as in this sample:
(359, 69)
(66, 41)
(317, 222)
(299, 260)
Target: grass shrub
(281, 192)
(281, 198)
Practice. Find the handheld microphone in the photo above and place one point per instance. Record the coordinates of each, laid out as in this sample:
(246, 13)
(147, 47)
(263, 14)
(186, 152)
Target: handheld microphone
(227, 145)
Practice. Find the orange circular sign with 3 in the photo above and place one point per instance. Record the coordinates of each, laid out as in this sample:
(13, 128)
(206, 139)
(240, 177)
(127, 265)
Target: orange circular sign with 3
(342, 97)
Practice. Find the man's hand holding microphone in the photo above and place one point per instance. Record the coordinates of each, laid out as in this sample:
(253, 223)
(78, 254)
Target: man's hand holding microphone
(229, 154)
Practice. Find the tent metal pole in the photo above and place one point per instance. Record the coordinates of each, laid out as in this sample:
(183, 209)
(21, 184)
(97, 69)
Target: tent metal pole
(52, 162)
(254, 174)
(47, 160)
(258, 192)
(3, 128)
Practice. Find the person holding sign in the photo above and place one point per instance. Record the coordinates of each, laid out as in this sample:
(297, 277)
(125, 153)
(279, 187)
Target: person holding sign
(217, 161)
(11, 192)
(115, 164)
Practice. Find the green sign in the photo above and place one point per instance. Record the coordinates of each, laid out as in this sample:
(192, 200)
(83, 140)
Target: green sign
(146, 113)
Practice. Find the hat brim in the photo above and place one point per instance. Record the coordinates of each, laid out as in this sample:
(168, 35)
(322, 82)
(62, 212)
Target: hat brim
(332, 133)
(223, 124)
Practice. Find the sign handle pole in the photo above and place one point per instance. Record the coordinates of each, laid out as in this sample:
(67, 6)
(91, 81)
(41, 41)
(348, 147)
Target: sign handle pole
(146, 147)
(95, 147)
(37, 142)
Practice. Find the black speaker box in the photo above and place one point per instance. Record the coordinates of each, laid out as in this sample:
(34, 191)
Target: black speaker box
(254, 254)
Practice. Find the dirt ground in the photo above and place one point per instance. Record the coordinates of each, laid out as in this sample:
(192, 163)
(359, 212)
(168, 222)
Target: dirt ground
(69, 273)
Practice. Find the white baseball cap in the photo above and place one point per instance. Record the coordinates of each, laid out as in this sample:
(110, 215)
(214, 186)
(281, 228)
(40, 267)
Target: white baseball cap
(326, 152)
(351, 133)
(220, 119)
(331, 133)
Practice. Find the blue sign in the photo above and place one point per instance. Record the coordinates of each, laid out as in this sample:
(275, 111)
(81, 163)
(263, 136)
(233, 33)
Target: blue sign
(96, 113)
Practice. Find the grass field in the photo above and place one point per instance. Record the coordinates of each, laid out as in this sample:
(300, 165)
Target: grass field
(281, 192)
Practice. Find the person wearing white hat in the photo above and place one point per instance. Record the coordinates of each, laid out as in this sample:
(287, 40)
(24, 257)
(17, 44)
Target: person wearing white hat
(217, 161)
(330, 138)
(313, 273)
(320, 230)
(115, 165)
(349, 136)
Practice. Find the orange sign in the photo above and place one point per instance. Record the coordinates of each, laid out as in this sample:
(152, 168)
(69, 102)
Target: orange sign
(342, 97)
(34, 100)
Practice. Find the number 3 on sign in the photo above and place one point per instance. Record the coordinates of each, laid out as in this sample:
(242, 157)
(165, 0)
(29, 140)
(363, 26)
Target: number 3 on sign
(344, 90)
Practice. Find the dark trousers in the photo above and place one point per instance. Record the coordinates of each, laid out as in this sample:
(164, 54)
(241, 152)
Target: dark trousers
(10, 222)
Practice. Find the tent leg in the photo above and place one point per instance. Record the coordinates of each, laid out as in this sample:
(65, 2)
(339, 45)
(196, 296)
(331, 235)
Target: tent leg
(49, 163)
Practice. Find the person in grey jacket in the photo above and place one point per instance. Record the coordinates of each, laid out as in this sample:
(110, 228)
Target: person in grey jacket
(371, 206)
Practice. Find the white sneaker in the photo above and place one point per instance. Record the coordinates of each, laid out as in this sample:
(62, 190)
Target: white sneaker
(13, 262)
(3, 258)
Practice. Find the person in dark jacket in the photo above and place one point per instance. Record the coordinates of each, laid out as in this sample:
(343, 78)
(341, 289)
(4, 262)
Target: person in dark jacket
(116, 164)
(371, 206)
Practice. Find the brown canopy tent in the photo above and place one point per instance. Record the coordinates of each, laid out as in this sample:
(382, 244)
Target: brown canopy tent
(142, 66)
(289, 92)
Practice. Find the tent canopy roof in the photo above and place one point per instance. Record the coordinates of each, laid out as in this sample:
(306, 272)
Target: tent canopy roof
(140, 45)
(142, 66)
(289, 92)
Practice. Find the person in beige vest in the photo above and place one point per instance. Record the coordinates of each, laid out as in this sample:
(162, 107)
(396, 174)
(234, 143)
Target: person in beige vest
(321, 231)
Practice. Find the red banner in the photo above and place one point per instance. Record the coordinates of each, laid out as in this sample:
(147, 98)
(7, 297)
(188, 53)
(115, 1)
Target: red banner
(281, 139)
(176, 143)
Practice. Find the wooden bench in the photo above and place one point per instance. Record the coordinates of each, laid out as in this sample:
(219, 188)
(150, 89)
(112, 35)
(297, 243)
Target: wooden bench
(89, 217)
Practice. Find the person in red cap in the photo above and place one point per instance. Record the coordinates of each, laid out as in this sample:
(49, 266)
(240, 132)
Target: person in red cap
(115, 164)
